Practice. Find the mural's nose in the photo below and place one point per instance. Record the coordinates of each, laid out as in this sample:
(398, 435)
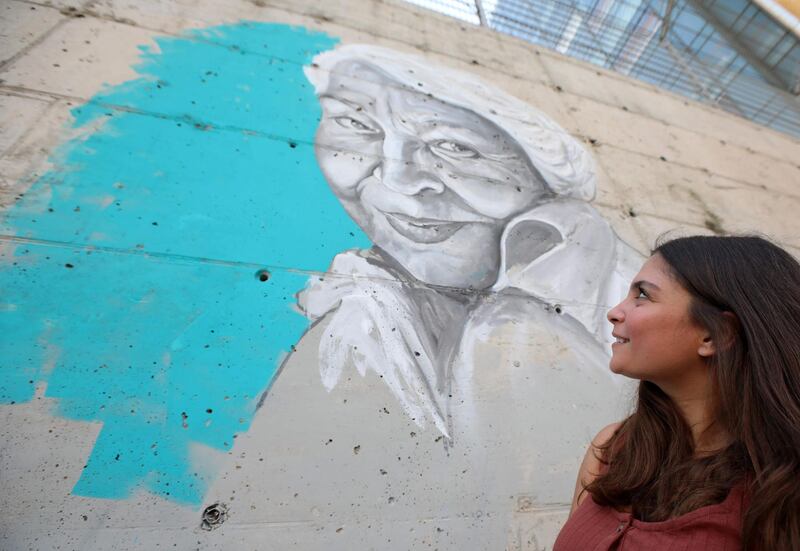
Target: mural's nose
(401, 172)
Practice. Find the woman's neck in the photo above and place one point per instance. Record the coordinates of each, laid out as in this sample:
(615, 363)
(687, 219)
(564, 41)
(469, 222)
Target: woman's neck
(708, 436)
(696, 403)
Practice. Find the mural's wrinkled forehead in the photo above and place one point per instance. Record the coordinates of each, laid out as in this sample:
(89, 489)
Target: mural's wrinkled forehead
(565, 165)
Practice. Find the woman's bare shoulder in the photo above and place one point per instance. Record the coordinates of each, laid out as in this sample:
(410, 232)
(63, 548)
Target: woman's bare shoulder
(605, 434)
(591, 465)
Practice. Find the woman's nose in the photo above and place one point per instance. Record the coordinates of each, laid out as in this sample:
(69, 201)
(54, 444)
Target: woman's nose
(616, 314)
(400, 171)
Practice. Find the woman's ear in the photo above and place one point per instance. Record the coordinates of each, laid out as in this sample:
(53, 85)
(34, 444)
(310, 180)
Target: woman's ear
(729, 330)
(707, 347)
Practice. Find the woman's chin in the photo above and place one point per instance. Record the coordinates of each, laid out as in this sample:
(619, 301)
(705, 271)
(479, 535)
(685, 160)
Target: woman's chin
(616, 367)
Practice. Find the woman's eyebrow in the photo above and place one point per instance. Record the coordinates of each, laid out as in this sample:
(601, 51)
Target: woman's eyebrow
(646, 284)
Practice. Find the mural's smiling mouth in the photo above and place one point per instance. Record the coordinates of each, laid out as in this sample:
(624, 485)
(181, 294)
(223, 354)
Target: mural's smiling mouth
(422, 230)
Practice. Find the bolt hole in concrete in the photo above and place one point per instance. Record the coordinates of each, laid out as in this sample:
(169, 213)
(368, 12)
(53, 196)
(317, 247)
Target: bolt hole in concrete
(262, 275)
(213, 516)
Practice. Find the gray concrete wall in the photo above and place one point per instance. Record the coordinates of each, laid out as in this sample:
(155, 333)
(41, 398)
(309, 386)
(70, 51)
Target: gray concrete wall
(205, 315)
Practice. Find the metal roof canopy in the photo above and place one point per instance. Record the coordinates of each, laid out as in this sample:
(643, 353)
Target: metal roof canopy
(738, 55)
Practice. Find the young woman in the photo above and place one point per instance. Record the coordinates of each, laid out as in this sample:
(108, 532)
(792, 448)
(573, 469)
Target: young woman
(710, 458)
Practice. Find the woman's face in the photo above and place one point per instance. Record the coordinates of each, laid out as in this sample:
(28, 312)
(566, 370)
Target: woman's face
(656, 338)
(431, 184)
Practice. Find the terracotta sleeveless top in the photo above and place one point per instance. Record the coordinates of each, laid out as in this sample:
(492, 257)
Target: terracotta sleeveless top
(711, 528)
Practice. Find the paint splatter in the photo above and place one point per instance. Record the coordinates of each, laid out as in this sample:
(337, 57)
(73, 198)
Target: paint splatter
(149, 312)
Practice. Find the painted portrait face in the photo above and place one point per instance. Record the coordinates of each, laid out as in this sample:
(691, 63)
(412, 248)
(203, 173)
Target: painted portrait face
(432, 184)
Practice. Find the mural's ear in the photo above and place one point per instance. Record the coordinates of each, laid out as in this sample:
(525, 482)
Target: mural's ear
(526, 241)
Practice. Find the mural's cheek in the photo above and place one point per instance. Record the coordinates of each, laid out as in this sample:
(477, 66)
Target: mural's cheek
(477, 243)
(345, 169)
(494, 188)
(331, 135)
(489, 197)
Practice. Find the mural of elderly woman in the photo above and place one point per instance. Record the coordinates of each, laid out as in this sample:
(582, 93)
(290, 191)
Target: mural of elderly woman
(465, 191)
(454, 370)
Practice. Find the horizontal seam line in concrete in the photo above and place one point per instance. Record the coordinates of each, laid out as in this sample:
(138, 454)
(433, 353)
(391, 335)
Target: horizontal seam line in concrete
(735, 145)
(35, 42)
(703, 170)
(230, 523)
(277, 137)
(640, 213)
(203, 125)
(186, 118)
(188, 259)
(280, 138)
(44, 4)
(232, 47)
(254, 525)
(89, 12)
(687, 128)
(551, 83)
(22, 93)
(342, 23)
(548, 83)
(34, 93)
(32, 127)
(606, 73)
(674, 221)
(716, 111)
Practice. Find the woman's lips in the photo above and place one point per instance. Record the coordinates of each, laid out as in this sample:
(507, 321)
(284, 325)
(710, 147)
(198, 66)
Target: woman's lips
(422, 230)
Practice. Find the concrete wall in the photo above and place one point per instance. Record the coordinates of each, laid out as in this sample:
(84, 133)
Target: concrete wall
(212, 339)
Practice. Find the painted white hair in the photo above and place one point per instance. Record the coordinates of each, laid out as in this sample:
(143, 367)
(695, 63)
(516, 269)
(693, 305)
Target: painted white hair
(567, 168)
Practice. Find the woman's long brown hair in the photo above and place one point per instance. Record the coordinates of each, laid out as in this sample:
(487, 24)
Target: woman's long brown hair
(746, 293)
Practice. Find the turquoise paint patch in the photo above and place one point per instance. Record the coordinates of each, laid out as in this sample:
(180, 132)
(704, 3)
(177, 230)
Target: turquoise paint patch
(212, 160)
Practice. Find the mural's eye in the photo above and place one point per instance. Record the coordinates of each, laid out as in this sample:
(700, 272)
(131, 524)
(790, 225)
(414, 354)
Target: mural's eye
(353, 124)
(455, 149)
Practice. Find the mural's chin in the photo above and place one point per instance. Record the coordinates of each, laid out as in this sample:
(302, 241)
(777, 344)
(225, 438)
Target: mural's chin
(450, 267)
(422, 230)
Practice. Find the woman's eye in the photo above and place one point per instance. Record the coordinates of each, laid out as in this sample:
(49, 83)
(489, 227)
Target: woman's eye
(455, 149)
(353, 124)
(641, 293)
